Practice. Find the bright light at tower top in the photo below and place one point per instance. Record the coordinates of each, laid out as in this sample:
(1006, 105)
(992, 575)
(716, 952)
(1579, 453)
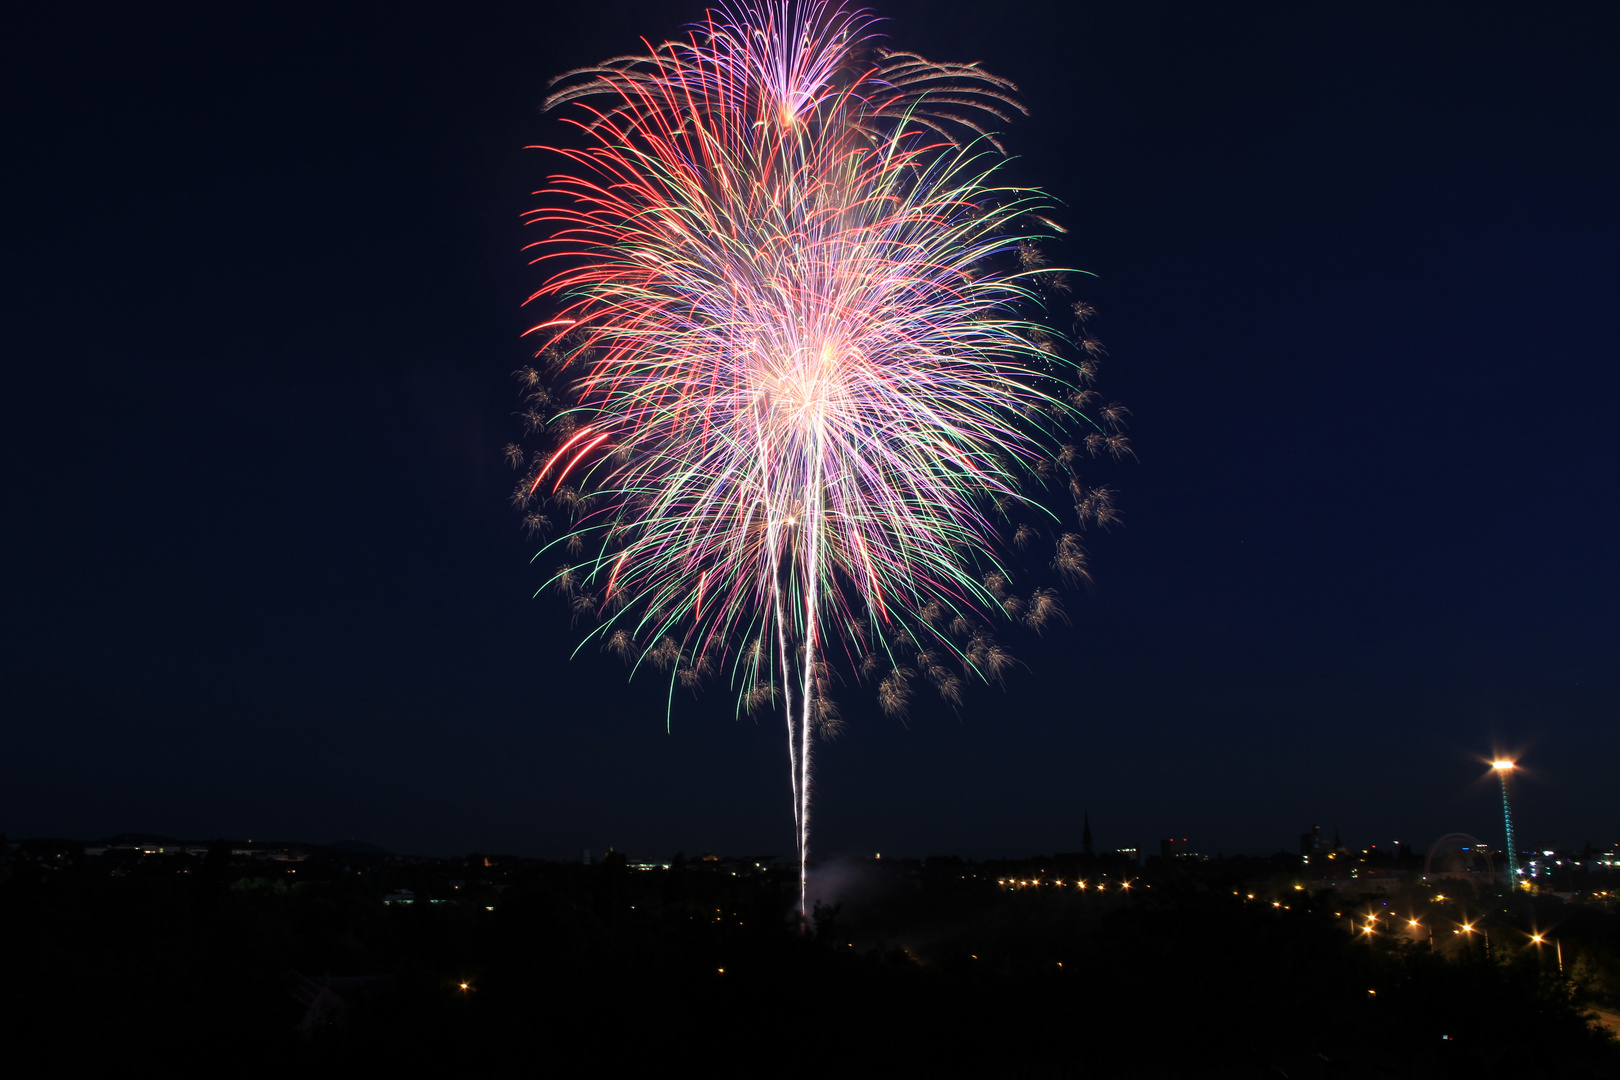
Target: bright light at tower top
(1502, 766)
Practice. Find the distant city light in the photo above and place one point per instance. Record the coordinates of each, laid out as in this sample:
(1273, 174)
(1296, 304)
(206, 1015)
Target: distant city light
(1501, 764)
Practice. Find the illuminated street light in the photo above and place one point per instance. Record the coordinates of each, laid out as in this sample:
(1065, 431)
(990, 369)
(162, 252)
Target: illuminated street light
(1538, 939)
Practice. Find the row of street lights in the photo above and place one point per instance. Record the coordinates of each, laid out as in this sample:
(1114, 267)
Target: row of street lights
(1028, 883)
(1538, 938)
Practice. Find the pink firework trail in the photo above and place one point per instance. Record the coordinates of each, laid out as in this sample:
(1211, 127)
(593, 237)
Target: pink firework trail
(797, 396)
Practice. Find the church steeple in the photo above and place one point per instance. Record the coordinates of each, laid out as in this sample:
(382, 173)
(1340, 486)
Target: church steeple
(1085, 836)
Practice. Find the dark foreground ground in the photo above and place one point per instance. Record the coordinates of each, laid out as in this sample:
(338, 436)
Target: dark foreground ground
(519, 967)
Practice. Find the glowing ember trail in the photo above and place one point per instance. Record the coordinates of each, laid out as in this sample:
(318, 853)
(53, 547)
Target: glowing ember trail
(793, 391)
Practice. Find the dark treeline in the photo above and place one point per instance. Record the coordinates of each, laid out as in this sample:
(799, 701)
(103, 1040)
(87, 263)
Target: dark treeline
(503, 965)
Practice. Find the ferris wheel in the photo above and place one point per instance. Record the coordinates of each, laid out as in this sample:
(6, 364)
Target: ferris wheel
(1459, 855)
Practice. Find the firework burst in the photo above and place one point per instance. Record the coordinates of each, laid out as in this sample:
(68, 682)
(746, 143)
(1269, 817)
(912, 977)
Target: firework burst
(798, 388)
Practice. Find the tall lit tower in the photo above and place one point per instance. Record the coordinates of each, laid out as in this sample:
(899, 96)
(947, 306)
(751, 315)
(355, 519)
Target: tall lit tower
(1502, 769)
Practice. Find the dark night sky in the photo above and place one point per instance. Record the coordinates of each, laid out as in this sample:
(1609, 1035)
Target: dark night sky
(1357, 276)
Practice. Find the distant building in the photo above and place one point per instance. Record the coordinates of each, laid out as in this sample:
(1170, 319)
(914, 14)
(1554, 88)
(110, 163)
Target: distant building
(1085, 837)
(1171, 847)
(326, 1000)
(1130, 853)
